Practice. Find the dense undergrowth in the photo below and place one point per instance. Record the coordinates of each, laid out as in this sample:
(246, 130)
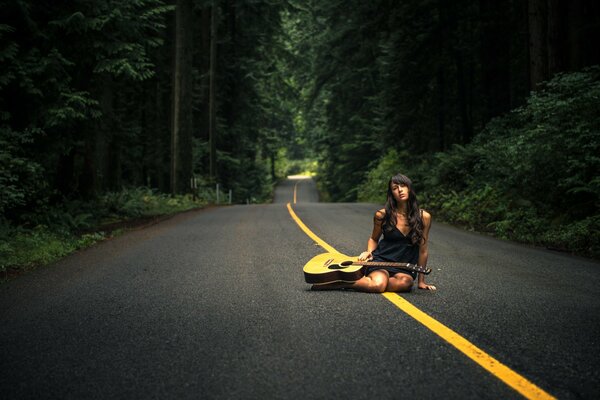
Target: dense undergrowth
(49, 232)
(529, 176)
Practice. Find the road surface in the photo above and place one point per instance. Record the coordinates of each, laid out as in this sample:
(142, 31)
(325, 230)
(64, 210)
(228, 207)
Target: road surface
(212, 304)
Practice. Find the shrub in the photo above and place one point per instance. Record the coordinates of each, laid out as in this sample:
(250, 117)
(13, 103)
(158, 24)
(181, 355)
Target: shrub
(20, 177)
(527, 173)
(375, 187)
(50, 233)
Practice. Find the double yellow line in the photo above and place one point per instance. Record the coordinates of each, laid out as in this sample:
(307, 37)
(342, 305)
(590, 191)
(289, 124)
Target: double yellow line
(519, 383)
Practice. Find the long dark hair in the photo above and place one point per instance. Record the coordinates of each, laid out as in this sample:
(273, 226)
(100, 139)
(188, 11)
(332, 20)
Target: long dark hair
(413, 212)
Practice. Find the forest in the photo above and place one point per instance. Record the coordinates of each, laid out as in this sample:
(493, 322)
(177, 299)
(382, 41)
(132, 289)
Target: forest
(115, 111)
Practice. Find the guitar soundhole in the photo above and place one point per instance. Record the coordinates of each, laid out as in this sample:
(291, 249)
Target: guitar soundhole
(337, 266)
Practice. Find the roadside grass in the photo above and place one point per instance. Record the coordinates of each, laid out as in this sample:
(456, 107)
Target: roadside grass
(26, 250)
(54, 232)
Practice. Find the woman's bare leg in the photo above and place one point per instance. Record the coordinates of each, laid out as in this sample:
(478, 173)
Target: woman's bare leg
(375, 282)
(400, 283)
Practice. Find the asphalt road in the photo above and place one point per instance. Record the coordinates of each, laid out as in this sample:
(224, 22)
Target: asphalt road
(212, 304)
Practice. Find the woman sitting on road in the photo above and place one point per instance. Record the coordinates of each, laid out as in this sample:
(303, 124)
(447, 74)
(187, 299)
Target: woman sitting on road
(405, 229)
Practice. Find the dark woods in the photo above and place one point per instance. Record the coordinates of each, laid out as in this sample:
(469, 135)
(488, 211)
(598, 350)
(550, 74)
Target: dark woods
(491, 107)
(100, 95)
(425, 75)
(104, 95)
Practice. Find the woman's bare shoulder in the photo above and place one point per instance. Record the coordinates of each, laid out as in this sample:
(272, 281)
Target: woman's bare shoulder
(426, 216)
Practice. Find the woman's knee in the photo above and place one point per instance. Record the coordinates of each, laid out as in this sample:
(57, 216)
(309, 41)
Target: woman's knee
(379, 281)
(379, 286)
(400, 283)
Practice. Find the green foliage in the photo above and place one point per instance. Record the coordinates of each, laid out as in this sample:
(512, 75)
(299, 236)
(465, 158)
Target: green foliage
(337, 43)
(257, 102)
(384, 75)
(20, 177)
(375, 187)
(530, 175)
(50, 233)
(138, 23)
(25, 249)
(286, 166)
(484, 208)
(367, 89)
(60, 63)
(298, 167)
(547, 151)
(580, 236)
(456, 168)
(35, 247)
(144, 202)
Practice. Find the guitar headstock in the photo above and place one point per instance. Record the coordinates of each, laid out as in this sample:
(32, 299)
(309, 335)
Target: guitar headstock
(421, 269)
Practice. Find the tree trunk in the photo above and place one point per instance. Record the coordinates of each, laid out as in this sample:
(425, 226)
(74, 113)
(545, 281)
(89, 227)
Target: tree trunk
(228, 110)
(553, 38)
(273, 175)
(205, 82)
(590, 33)
(212, 128)
(575, 21)
(463, 105)
(538, 56)
(445, 19)
(115, 172)
(495, 56)
(441, 117)
(65, 173)
(182, 127)
(87, 182)
(104, 137)
(158, 178)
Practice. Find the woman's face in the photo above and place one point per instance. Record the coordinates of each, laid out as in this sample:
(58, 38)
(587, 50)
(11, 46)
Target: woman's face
(400, 191)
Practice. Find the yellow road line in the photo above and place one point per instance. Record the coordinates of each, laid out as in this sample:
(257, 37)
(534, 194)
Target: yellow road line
(519, 383)
(489, 363)
(295, 189)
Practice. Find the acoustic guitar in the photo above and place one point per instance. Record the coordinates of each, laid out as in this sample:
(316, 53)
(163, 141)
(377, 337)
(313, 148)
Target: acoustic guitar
(331, 267)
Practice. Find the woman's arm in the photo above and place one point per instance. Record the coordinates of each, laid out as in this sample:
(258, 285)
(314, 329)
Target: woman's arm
(423, 251)
(374, 239)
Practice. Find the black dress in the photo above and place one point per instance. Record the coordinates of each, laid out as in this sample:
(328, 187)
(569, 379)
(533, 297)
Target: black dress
(394, 246)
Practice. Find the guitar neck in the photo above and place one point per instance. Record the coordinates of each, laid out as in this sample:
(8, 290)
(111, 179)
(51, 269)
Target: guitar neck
(387, 264)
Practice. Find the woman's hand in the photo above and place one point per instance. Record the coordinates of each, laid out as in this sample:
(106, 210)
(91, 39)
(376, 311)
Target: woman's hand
(424, 286)
(365, 256)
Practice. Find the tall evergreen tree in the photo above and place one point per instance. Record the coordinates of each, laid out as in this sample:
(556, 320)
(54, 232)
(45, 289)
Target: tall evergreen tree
(183, 85)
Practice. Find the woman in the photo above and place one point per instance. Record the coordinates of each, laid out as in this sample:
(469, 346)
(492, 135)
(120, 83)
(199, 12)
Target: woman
(405, 229)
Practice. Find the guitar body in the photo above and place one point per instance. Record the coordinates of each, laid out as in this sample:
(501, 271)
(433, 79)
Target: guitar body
(335, 267)
(326, 268)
